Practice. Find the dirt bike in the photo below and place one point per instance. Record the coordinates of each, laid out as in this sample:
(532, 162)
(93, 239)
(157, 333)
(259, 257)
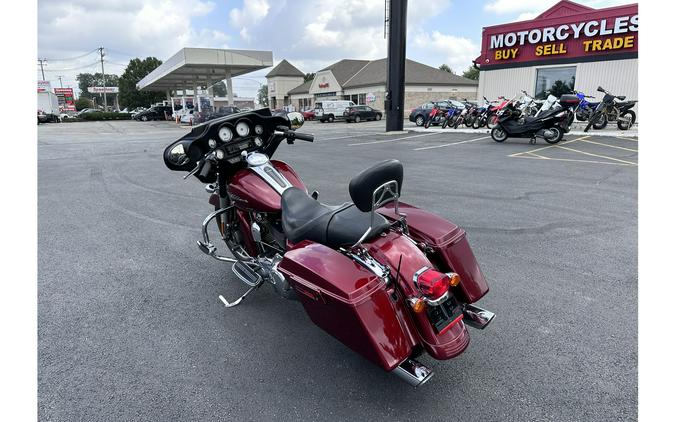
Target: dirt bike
(389, 280)
(613, 108)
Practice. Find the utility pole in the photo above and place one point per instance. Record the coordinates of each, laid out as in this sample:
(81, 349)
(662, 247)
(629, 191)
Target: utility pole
(42, 67)
(60, 80)
(105, 99)
(395, 90)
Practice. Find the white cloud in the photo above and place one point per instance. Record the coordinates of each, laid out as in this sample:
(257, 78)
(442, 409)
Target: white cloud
(253, 12)
(124, 27)
(456, 52)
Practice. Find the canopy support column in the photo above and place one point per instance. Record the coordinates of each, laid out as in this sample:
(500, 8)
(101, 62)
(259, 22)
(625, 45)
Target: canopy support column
(230, 93)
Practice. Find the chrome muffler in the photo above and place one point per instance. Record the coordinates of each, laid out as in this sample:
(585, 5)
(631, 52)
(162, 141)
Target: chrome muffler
(477, 317)
(413, 372)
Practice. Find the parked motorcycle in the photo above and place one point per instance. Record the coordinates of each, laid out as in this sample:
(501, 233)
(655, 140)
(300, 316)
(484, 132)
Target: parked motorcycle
(550, 125)
(496, 111)
(388, 279)
(436, 116)
(527, 105)
(484, 114)
(451, 115)
(613, 108)
(585, 108)
(550, 103)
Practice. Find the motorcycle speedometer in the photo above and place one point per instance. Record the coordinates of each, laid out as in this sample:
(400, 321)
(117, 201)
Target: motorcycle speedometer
(225, 134)
(242, 129)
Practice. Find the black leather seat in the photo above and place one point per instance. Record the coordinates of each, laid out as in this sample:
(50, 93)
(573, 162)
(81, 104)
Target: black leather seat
(304, 218)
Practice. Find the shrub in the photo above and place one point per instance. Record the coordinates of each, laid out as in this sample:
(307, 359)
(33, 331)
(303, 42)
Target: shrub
(102, 115)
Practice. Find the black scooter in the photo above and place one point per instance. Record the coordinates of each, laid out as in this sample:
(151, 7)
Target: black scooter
(550, 125)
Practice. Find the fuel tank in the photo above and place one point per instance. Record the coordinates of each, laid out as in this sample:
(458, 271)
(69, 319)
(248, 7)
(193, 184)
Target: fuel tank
(250, 191)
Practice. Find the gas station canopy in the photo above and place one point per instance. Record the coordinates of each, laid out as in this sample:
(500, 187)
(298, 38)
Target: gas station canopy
(203, 66)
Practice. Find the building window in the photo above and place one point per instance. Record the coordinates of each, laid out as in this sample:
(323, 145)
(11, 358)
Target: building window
(361, 98)
(558, 80)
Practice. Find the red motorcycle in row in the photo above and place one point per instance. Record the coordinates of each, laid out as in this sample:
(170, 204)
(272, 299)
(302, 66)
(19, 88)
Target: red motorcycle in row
(387, 279)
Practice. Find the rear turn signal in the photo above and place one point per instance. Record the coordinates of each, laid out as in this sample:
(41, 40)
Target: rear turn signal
(454, 279)
(417, 305)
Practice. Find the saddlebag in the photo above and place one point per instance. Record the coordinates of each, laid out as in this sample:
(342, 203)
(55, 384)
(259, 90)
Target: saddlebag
(450, 250)
(349, 302)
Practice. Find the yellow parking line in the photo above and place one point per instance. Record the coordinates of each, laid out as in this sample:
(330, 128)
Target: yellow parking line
(577, 161)
(610, 146)
(596, 155)
(550, 146)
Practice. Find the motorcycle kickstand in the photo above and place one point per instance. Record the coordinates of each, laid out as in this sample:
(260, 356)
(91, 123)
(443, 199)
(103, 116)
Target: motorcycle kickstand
(238, 301)
(533, 141)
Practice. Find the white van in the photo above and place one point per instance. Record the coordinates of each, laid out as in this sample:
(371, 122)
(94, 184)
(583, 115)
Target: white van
(331, 110)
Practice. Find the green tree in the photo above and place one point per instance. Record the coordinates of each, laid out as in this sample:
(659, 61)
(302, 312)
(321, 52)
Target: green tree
(471, 73)
(309, 76)
(136, 70)
(220, 89)
(85, 80)
(82, 103)
(446, 68)
(262, 96)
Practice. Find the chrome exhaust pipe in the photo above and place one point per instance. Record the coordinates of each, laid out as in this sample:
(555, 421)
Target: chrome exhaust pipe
(413, 372)
(477, 317)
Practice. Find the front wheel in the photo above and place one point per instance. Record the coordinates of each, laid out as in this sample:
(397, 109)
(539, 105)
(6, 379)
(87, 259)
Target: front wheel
(144, 118)
(492, 121)
(498, 134)
(378, 117)
(592, 119)
(557, 135)
(427, 123)
(331, 119)
(357, 119)
(601, 123)
(419, 120)
(626, 124)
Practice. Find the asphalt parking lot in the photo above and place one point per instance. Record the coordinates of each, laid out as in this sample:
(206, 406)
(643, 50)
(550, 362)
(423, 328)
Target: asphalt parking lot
(131, 328)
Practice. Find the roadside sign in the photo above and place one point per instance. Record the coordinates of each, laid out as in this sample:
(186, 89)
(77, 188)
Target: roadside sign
(101, 90)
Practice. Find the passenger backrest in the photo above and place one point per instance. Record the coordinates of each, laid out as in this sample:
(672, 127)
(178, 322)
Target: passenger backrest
(363, 185)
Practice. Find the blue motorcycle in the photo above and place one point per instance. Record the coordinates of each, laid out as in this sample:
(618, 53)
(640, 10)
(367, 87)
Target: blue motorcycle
(585, 108)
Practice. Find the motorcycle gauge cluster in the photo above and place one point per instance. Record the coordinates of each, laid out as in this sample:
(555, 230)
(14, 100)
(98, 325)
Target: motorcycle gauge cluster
(225, 134)
(212, 143)
(242, 129)
(258, 130)
(258, 141)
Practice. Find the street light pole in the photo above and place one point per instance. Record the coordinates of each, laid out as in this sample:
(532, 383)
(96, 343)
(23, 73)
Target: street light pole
(105, 99)
(60, 80)
(395, 90)
(42, 67)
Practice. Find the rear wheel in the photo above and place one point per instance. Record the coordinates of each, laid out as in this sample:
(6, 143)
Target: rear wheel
(378, 117)
(357, 119)
(557, 135)
(331, 119)
(628, 123)
(144, 118)
(419, 120)
(445, 123)
(592, 119)
(498, 134)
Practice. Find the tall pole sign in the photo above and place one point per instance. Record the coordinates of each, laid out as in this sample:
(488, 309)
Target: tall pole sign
(395, 90)
(105, 99)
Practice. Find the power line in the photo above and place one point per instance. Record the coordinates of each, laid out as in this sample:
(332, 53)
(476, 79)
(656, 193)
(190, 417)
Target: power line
(65, 70)
(71, 58)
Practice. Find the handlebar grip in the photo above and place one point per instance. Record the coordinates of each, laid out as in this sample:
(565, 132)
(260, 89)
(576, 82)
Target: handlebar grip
(206, 169)
(304, 137)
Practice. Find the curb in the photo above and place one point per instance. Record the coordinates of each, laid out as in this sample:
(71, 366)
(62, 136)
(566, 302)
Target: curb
(631, 133)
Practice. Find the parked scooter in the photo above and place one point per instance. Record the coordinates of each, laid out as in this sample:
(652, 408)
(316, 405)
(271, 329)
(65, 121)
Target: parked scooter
(613, 108)
(388, 279)
(550, 125)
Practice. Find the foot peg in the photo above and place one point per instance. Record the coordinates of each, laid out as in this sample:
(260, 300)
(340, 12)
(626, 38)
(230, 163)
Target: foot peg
(477, 317)
(246, 273)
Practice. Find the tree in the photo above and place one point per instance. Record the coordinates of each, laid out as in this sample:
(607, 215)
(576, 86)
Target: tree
(446, 68)
(220, 89)
(309, 76)
(82, 103)
(136, 70)
(262, 96)
(471, 73)
(85, 80)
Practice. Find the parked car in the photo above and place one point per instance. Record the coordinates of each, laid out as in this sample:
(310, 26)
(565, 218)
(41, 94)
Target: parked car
(153, 113)
(279, 112)
(189, 117)
(361, 112)
(222, 111)
(419, 114)
(330, 110)
(309, 114)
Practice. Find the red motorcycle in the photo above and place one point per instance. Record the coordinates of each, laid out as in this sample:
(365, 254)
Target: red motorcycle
(389, 280)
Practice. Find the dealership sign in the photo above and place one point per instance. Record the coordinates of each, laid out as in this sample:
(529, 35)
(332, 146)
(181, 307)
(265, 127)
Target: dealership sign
(566, 32)
(66, 98)
(44, 86)
(101, 90)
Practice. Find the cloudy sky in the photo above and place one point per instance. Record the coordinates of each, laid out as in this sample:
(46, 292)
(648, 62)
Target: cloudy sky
(310, 34)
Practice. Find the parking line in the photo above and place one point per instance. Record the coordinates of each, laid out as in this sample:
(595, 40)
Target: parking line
(599, 156)
(550, 146)
(453, 143)
(538, 157)
(340, 137)
(391, 140)
(610, 146)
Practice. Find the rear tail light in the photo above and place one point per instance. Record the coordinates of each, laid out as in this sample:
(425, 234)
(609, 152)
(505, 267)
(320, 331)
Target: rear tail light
(434, 284)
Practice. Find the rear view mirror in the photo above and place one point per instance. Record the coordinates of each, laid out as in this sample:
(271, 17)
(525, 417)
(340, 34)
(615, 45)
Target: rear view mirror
(600, 89)
(296, 119)
(178, 156)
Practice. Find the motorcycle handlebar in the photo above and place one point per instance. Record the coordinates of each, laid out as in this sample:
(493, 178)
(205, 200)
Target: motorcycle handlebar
(206, 169)
(292, 135)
